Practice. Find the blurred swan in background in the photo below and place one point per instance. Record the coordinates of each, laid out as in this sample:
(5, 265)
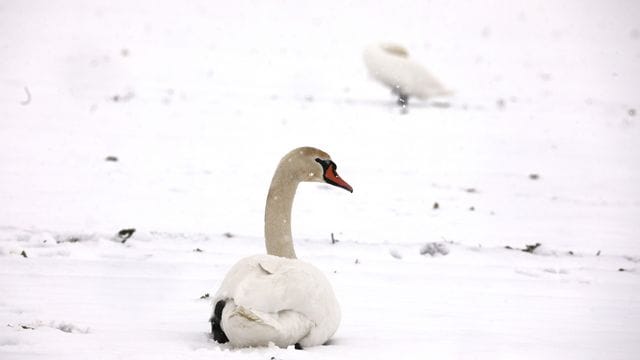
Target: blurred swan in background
(390, 64)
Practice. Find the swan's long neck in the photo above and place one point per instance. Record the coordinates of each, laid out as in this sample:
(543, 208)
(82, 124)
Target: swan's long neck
(277, 218)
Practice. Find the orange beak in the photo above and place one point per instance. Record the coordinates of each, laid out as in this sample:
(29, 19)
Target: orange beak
(332, 177)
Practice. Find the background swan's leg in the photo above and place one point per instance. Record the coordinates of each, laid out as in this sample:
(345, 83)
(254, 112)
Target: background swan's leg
(403, 100)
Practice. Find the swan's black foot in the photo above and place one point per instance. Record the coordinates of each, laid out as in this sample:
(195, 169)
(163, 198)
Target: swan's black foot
(403, 101)
(297, 346)
(216, 329)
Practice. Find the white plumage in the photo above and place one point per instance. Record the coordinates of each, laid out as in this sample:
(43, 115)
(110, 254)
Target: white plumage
(279, 300)
(390, 64)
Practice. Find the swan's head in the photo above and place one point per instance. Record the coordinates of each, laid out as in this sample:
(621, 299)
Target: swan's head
(311, 164)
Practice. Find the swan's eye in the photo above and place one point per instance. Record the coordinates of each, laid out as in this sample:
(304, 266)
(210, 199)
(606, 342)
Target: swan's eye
(325, 163)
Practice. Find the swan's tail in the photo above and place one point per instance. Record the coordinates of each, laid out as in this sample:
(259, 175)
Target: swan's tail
(216, 329)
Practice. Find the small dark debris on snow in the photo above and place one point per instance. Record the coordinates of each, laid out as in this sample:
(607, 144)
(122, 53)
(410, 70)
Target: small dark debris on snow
(500, 103)
(395, 253)
(357, 262)
(124, 52)
(598, 253)
(205, 296)
(471, 190)
(228, 235)
(197, 250)
(111, 158)
(128, 96)
(570, 252)
(528, 248)
(70, 328)
(531, 248)
(622, 269)
(24, 254)
(72, 239)
(534, 176)
(472, 208)
(333, 239)
(436, 206)
(26, 327)
(125, 234)
(632, 112)
(434, 248)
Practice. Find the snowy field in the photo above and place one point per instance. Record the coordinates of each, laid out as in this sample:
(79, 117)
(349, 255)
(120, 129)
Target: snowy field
(198, 101)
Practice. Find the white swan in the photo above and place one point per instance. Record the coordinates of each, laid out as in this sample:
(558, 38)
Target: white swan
(390, 65)
(276, 298)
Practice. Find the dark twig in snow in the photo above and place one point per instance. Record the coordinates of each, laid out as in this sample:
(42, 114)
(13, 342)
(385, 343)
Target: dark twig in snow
(23, 253)
(333, 239)
(125, 234)
(528, 248)
(27, 101)
(531, 248)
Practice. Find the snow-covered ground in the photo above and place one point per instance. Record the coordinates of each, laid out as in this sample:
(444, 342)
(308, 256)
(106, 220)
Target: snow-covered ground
(198, 101)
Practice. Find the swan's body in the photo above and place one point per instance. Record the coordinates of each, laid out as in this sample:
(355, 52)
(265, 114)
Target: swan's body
(390, 64)
(279, 300)
(276, 298)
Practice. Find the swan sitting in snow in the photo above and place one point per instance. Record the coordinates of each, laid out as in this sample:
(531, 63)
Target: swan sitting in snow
(276, 298)
(390, 65)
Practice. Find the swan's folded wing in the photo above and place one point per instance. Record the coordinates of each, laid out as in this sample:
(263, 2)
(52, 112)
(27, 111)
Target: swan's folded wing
(248, 327)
